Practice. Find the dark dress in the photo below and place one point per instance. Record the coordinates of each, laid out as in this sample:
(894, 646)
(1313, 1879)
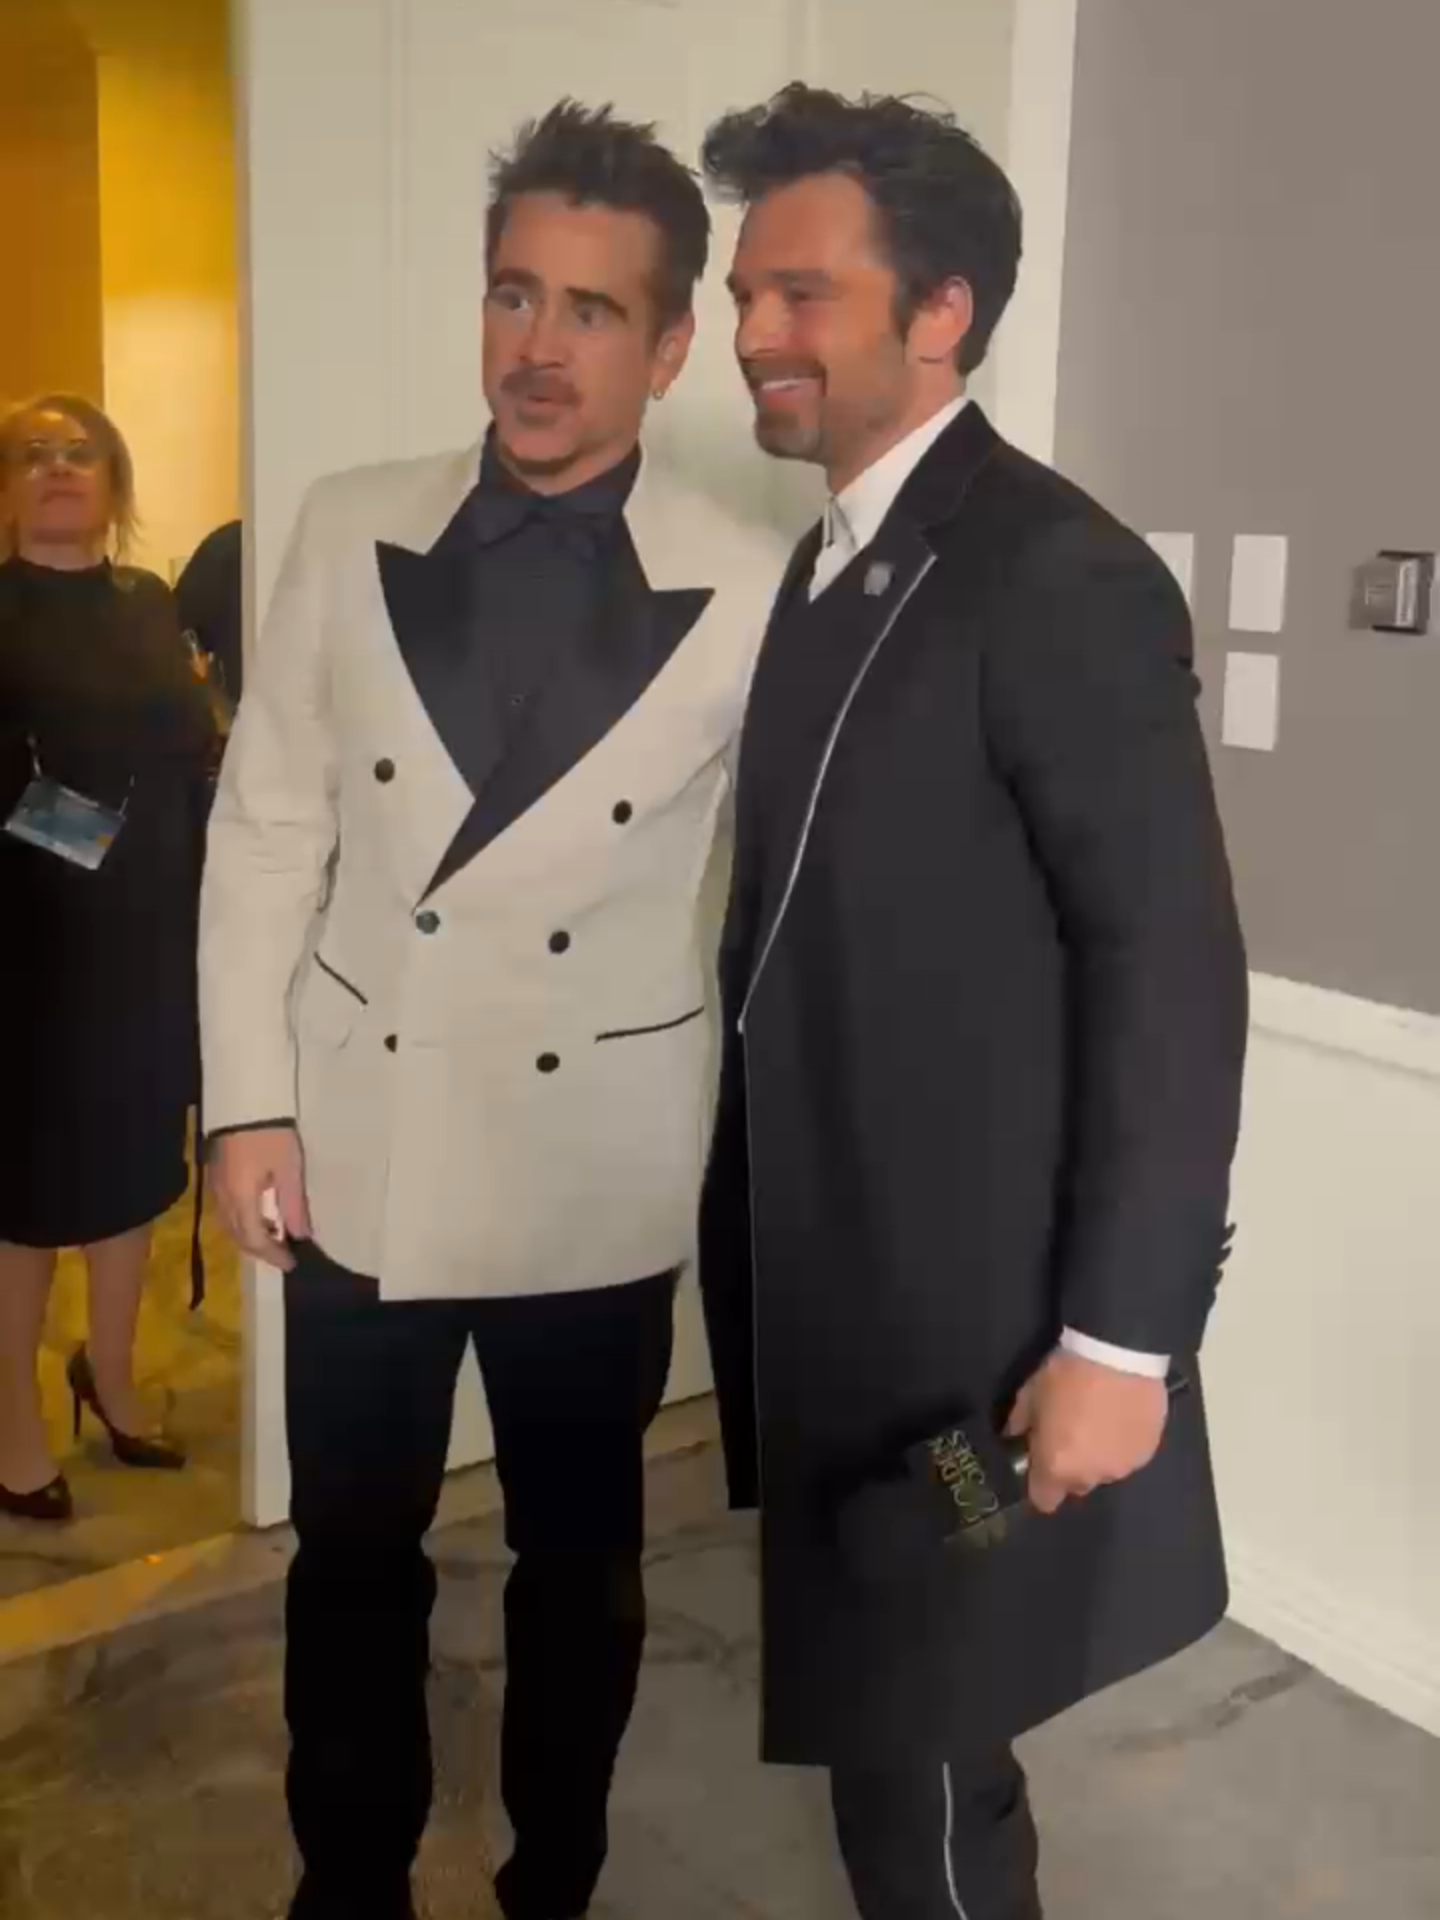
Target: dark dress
(97, 970)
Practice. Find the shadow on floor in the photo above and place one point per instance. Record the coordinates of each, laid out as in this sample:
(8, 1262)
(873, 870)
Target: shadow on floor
(140, 1774)
(190, 1361)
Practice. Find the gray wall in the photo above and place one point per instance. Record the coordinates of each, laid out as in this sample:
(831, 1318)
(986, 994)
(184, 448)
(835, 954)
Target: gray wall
(1250, 341)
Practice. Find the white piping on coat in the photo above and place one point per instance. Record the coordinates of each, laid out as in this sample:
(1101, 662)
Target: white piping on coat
(841, 717)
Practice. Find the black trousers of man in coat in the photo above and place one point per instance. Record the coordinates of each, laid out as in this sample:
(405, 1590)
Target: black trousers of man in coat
(573, 1381)
(939, 1840)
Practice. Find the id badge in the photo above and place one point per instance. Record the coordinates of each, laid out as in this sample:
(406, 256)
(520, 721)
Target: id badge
(68, 824)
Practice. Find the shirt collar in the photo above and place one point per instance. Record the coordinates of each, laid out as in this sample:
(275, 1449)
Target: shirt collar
(501, 501)
(854, 516)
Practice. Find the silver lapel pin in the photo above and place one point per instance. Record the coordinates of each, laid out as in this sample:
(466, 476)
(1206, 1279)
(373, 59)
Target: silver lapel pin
(877, 580)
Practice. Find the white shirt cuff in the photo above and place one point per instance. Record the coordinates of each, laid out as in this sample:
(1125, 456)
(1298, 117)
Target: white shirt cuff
(1150, 1366)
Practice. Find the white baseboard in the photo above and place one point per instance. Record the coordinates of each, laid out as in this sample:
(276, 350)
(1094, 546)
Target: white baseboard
(1393, 1670)
(1339, 1023)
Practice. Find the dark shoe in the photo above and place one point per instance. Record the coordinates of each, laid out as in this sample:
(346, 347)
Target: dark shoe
(46, 1503)
(129, 1449)
(520, 1897)
(313, 1903)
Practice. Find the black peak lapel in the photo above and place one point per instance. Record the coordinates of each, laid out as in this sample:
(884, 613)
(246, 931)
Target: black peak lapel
(799, 570)
(427, 596)
(633, 635)
(936, 491)
(884, 576)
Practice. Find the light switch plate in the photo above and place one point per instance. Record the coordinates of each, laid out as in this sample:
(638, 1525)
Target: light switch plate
(1177, 550)
(1252, 701)
(1258, 570)
(1393, 592)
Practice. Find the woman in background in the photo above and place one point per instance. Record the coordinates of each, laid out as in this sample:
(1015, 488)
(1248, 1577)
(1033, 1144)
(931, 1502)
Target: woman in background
(106, 741)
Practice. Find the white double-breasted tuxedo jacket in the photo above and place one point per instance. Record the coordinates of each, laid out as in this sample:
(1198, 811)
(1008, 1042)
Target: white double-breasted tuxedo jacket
(486, 1012)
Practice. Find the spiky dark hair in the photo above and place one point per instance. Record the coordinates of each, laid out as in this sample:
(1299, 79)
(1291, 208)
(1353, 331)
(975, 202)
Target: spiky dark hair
(592, 158)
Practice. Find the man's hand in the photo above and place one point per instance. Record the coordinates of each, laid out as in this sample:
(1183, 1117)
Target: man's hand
(1088, 1425)
(244, 1168)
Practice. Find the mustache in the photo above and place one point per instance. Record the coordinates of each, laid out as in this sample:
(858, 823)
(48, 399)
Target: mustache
(757, 372)
(524, 385)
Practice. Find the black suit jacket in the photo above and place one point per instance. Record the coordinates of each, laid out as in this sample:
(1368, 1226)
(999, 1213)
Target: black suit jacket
(984, 949)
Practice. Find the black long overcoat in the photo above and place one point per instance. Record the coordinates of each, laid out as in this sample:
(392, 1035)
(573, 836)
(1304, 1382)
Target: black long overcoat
(985, 1015)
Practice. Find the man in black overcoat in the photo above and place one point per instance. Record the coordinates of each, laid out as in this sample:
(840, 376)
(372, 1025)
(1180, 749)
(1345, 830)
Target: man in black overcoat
(985, 1003)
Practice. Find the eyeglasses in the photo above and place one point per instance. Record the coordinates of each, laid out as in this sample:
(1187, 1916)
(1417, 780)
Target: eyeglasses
(43, 456)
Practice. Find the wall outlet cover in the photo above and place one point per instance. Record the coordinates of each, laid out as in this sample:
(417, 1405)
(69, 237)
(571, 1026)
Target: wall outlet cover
(1252, 702)
(1258, 569)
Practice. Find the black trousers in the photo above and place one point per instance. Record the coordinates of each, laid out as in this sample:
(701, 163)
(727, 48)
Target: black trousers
(573, 1381)
(939, 1842)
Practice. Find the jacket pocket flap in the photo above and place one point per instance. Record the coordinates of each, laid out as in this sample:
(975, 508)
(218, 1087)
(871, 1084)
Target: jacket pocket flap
(661, 1026)
(328, 1008)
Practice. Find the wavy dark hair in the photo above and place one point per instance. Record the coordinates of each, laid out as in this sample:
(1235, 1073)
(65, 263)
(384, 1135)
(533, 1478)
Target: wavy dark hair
(945, 210)
(593, 159)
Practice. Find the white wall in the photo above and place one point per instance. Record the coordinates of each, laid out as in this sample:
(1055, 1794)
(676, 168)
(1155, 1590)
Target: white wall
(365, 262)
(365, 278)
(1037, 157)
(364, 130)
(1322, 1361)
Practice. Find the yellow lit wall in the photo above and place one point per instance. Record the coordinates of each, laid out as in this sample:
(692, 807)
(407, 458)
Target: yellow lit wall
(50, 326)
(117, 180)
(167, 223)
(167, 252)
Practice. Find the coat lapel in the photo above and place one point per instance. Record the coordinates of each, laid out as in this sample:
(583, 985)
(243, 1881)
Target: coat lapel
(636, 628)
(428, 597)
(633, 635)
(870, 599)
(797, 573)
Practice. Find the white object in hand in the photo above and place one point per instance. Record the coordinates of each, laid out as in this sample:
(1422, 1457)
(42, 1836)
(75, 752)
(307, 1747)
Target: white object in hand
(270, 1213)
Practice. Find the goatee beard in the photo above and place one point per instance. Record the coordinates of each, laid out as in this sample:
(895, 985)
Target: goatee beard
(788, 440)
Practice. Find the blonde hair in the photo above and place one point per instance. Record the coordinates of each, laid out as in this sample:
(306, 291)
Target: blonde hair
(119, 467)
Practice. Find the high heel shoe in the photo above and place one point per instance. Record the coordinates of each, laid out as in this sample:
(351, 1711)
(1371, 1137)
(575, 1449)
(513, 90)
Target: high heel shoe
(130, 1449)
(46, 1503)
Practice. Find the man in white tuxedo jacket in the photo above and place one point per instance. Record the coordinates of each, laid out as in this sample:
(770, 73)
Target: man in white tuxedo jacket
(454, 981)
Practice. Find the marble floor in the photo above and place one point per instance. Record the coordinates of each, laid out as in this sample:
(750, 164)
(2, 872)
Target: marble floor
(189, 1363)
(140, 1771)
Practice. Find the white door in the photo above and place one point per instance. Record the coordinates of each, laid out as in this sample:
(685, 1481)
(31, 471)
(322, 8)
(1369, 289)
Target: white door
(366, 129)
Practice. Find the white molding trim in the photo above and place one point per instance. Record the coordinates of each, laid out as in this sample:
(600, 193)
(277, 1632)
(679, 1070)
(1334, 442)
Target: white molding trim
(1027, 347)
(1339, 1023)
(804, 39)
(396, 218)
(1373, 1658)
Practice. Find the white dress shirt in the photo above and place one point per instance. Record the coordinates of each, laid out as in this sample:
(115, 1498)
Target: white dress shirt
(853, 517)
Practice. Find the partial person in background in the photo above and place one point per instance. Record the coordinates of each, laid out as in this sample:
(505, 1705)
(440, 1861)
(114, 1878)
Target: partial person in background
(985, 1020)
(105, 746)
(210, 594)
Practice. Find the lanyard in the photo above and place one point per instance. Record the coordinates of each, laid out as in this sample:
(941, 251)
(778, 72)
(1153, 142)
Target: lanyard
(39, 772)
